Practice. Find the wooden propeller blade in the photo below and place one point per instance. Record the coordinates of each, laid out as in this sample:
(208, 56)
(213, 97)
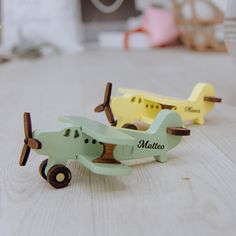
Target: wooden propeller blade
(100, 108)
(106, 105)
(212, 99)
(109, 115)
(33, 143)
(27, 125)
(108, 93)
(178, 131)
(24, 155)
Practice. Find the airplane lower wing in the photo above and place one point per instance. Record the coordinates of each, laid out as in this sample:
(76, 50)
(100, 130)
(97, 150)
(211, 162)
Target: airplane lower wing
(98, 131)
(103, 169)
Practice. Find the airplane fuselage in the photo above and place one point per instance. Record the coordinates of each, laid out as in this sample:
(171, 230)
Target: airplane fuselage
(128, 109)
(78, 142)
(135, 105)
(63, 145)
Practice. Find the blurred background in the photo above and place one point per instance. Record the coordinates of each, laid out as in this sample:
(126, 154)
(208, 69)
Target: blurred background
(34, 28)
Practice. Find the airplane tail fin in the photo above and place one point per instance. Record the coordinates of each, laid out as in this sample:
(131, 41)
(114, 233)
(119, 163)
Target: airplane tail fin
(169, 122)
(205, 94)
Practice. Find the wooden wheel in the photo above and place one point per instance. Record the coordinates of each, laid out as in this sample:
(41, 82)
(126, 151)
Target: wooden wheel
(42, 168)
(130, 126)
(59, 176)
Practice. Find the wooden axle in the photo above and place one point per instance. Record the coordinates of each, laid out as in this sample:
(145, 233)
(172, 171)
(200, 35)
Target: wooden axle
(212, 99)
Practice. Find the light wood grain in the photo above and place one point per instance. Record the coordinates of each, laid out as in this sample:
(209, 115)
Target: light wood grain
(194, 193)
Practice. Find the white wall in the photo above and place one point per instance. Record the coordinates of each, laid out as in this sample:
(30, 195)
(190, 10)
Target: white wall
(142, 4)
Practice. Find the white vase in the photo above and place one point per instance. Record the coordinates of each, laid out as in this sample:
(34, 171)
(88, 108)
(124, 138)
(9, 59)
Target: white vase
(230, 27)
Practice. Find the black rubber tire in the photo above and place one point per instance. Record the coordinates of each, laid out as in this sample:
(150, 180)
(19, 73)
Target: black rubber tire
(42, 168)
(53, 173)
(130, 126)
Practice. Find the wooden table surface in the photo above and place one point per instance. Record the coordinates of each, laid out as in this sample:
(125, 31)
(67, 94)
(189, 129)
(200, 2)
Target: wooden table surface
(194, 193)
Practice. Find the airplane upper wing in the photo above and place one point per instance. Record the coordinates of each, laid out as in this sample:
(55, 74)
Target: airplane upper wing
(152, 97)
(130, 91)
(99, 131)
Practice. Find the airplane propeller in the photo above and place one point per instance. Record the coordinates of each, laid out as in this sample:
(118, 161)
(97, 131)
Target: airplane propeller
(29, 142)
(105, 106)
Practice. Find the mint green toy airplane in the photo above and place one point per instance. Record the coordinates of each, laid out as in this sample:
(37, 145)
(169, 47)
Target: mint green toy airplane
(98, 147)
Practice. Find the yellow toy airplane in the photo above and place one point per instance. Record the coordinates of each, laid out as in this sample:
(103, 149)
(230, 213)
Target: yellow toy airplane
(136, 106)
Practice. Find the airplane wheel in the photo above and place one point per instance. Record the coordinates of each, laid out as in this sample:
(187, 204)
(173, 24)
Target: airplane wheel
(130, 126)
(42, 168)
(59, 176)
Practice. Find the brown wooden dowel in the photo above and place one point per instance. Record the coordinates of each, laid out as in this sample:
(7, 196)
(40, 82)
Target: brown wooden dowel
(164, 106)
(107, 156)
(212, 99)
(178, 131)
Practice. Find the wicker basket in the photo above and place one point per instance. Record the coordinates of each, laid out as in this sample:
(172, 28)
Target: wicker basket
(196, 33)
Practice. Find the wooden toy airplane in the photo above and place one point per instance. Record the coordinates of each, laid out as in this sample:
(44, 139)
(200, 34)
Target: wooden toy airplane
(135, 105)
(98, 147)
